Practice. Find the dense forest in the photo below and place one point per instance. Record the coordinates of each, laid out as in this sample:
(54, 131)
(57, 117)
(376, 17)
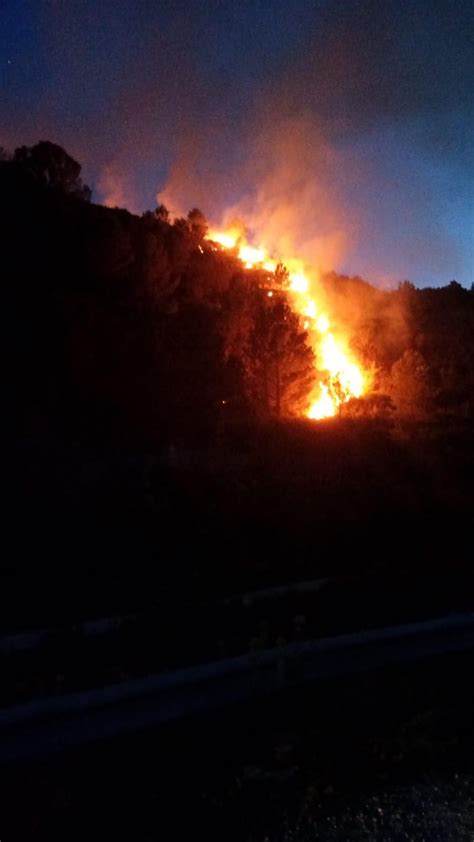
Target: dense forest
(153, 380)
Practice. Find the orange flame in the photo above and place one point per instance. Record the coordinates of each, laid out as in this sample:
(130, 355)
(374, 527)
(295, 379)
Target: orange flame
(343, 376)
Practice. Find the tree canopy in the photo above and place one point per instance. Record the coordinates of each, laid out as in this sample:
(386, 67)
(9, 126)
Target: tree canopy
(52, 167)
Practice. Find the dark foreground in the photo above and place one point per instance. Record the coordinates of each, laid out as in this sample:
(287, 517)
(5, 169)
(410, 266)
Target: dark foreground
(437, 808)
(380, 756)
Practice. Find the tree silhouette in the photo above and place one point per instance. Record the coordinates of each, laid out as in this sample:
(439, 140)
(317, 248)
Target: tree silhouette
(162, 213)
(409, 385)
(281, 276)
(279, 363)
(50, 165)
(197, 224)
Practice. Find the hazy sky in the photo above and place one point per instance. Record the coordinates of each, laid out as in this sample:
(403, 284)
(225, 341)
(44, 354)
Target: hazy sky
(348, 123)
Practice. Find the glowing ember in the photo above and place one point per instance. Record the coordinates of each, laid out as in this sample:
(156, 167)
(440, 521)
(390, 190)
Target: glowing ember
(343, 377)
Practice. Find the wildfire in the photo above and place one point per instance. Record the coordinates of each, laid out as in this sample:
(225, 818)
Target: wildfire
(343, 378)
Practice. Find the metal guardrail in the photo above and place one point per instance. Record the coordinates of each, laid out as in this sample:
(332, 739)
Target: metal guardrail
(50, 724)
(28, 640)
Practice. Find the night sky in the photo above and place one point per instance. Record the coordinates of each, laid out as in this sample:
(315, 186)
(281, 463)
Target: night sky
(340, 130)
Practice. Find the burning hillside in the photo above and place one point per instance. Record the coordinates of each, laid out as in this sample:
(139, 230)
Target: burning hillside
(340, 376)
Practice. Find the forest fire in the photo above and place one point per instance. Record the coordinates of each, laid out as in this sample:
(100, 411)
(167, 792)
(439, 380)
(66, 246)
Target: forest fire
(340, 376)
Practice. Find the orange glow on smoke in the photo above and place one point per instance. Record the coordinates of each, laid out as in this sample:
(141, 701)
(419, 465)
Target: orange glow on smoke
(342, 377)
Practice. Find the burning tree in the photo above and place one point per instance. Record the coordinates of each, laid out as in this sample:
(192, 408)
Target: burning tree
(339, 376)
(279, 364)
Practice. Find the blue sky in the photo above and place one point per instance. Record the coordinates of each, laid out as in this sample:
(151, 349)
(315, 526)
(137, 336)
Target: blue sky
(150, 95)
